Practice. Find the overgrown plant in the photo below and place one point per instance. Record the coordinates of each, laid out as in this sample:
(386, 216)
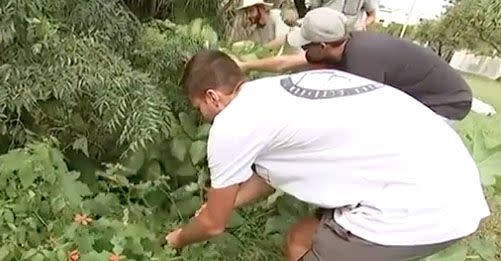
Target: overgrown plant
(69, 79)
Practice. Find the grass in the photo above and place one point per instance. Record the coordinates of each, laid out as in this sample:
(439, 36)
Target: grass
(488, 91)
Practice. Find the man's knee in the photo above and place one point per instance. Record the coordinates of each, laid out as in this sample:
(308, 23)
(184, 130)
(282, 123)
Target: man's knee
(303, 231)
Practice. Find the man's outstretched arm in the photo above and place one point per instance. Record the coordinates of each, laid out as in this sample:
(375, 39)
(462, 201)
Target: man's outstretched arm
(210, 222)
(251, 190)
(276, 64)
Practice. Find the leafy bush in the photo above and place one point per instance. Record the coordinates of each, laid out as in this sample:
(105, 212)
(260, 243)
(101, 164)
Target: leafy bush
(67, 77)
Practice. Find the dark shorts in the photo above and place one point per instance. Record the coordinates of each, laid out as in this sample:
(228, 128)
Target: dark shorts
(331, 242)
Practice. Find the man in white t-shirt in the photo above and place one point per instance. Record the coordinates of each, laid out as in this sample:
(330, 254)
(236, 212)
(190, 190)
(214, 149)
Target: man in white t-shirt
(334, 140)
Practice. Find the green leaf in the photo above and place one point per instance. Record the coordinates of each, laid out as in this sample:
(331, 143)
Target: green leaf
(13, 161)
(30, 253)
(288, 206)
(236, 220)
(487, 180)
(61, 255)
(153, 171)
(489, 169)
(118, 243)
(72, 189)
(134, 245)
(249, 57)
(103, 204)
(170, 163)
(179, 147)
(186, 208)
(4, 252)
(492, 136)
(181, 194)
(186, 169)
(8, 216)
(492, 165)
(456, 252)
(203, 131)
(85, 242)
(137, 231)
(94, 256)
(134, 161)
(242, 46)
(228, 244)
(58, 204)
(188, 123)
(486, 249)
(27, 174)
(198, 151)
(37, 257)
(276, 224)
(497, 186)
(81, 144)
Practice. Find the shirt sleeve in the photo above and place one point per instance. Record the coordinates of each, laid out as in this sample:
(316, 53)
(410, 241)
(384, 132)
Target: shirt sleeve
(232, 150)
(370, 5)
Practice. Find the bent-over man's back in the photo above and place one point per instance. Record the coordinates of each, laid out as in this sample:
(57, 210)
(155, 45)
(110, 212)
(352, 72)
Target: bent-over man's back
(414, 69)
(336, 140)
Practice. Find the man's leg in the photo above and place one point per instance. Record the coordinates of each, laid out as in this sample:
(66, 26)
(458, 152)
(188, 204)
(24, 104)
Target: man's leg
(299, 238)
(331, 242)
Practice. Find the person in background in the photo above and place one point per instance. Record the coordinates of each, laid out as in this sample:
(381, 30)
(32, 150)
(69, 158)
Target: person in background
(253, 23)
(360, 13)
(333, 140)
(380, 57)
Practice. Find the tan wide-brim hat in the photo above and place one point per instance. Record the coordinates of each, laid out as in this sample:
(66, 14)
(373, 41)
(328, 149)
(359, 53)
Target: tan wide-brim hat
(249, 3)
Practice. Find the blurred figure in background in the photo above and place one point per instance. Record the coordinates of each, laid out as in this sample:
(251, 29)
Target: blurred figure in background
(253, 23)
(360, 13)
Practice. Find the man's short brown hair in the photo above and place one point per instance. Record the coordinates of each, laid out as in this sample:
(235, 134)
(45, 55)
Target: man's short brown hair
(210, 69)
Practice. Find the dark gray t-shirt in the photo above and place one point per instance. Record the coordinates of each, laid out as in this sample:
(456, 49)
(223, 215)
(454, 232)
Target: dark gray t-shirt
(409, 67)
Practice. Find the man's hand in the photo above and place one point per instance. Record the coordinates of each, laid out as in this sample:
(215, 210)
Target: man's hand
(173, 239)
(242, 65)
(210, 220)
(200, 209)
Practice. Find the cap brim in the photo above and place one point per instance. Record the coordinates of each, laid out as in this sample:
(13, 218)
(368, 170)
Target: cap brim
(269, 5)
(295, 39)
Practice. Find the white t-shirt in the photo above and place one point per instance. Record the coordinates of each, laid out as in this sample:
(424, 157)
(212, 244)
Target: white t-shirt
(336, 140)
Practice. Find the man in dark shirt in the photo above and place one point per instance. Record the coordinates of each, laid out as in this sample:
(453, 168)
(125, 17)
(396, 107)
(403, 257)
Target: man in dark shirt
(393, 61)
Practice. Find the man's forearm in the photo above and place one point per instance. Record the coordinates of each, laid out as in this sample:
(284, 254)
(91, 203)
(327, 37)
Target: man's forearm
(195, 232)
(276, 64)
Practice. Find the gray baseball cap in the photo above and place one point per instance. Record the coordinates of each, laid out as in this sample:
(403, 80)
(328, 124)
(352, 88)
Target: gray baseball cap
(322, 24)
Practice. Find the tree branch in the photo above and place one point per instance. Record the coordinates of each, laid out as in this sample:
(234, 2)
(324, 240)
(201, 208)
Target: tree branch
(484, 38)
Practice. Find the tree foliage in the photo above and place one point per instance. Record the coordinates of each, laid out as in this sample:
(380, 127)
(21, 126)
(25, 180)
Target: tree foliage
(71, 69)
(436, 36)
(468, 24)
(475, 25)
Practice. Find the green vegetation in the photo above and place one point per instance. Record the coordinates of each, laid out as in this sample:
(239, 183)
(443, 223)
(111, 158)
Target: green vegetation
(473, 25)
(101, 156)
(482, 135)
(486, 90)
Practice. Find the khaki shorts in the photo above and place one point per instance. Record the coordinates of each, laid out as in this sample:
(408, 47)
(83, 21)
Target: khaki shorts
(331, 242)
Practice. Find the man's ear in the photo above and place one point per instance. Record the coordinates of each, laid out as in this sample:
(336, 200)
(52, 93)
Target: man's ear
(212, 96)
